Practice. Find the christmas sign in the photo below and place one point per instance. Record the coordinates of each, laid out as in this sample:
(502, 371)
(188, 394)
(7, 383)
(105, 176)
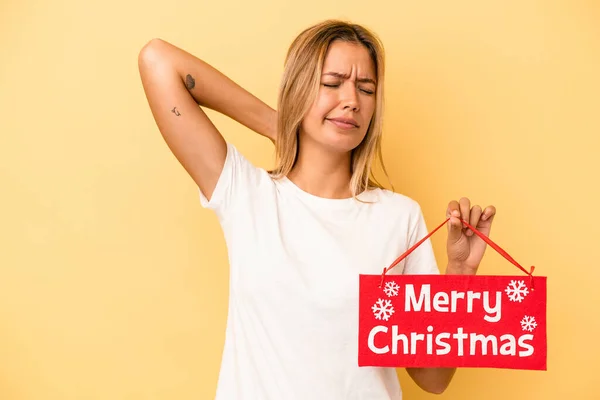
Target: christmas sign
(453, 320)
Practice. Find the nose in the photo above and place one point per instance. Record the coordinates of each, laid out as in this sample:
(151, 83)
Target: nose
(349, 98)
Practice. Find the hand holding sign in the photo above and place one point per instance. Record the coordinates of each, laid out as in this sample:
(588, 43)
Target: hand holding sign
(458, 319)
(465, 249)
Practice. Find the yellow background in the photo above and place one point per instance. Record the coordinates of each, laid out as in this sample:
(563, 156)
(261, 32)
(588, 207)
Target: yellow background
(113, 280)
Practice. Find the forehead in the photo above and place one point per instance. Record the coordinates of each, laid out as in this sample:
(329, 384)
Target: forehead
(349, 58)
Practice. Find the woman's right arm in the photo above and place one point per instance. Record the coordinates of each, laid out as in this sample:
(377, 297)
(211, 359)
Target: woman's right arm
(176, 83)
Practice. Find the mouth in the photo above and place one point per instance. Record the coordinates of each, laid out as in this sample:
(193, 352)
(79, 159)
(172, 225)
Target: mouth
(343, 123)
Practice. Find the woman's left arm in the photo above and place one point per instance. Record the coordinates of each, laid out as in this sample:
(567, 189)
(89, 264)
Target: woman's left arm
(465, 251)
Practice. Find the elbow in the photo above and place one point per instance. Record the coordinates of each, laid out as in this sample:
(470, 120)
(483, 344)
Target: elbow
(437, 389)
(432, 380)
(152, 44)
(149, 51)
(437, 386)
(153, 54)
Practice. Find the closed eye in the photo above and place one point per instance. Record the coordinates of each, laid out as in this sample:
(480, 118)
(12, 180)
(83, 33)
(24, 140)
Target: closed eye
(337, 85)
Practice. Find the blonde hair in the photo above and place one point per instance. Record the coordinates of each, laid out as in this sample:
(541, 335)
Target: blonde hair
(299, 88)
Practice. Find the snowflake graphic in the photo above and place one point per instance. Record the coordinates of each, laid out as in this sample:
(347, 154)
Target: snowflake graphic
(528, 323)
(383, 309)
(391, 288)
(516, 291)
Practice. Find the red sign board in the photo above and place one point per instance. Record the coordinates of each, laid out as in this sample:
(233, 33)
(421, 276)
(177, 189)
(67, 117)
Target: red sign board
(453, 320)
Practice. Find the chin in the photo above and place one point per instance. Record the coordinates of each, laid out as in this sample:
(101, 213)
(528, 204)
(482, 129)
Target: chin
(343, 141)
(342, 145)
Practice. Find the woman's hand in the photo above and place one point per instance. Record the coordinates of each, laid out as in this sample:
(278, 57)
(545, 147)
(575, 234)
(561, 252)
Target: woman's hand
(465, 249)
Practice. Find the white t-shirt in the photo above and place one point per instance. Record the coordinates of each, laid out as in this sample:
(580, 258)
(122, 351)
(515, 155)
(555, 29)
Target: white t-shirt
(295, 260)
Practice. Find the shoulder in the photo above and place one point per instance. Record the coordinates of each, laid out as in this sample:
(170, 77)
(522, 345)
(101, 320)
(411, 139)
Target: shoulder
(243, 173)
(240, 181)
(396, 210)
(394, 203)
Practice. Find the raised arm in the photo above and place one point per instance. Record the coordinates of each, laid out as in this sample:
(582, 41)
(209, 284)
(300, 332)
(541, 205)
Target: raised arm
(176, 83)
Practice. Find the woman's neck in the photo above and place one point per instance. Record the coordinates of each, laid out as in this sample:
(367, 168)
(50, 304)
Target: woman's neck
(322, 173)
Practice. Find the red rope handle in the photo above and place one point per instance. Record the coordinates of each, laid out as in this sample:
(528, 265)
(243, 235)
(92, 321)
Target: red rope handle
(481, 235)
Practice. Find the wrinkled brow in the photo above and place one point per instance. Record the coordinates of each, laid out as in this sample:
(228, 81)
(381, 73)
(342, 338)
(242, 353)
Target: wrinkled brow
(344, 76)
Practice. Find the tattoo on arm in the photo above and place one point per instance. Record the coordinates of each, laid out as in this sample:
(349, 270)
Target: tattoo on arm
(175, 111)
(190, 82)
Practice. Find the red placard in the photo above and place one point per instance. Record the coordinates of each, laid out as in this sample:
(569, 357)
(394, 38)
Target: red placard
(453, 320)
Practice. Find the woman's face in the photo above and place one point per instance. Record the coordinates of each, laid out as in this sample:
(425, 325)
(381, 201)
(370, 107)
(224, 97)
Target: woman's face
(339, 118)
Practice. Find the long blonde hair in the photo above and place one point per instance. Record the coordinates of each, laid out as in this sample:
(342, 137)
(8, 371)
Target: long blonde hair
(299, 88)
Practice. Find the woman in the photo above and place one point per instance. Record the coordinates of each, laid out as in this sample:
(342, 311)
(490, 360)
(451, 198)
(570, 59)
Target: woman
(299, 236)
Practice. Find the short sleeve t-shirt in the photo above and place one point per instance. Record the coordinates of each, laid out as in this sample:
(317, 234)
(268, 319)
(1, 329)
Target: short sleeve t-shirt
(295, 260)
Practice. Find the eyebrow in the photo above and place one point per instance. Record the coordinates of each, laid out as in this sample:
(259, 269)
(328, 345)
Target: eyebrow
(344, 76)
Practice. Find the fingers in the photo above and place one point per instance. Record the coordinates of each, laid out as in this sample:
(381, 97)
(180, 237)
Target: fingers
(476, 213)
(489, 213)
(465, 209)
(462, 210)
(453, 209)
(454, 224)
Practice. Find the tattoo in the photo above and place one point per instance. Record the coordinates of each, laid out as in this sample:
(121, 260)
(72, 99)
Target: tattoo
(175, 111)
(190, 82)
